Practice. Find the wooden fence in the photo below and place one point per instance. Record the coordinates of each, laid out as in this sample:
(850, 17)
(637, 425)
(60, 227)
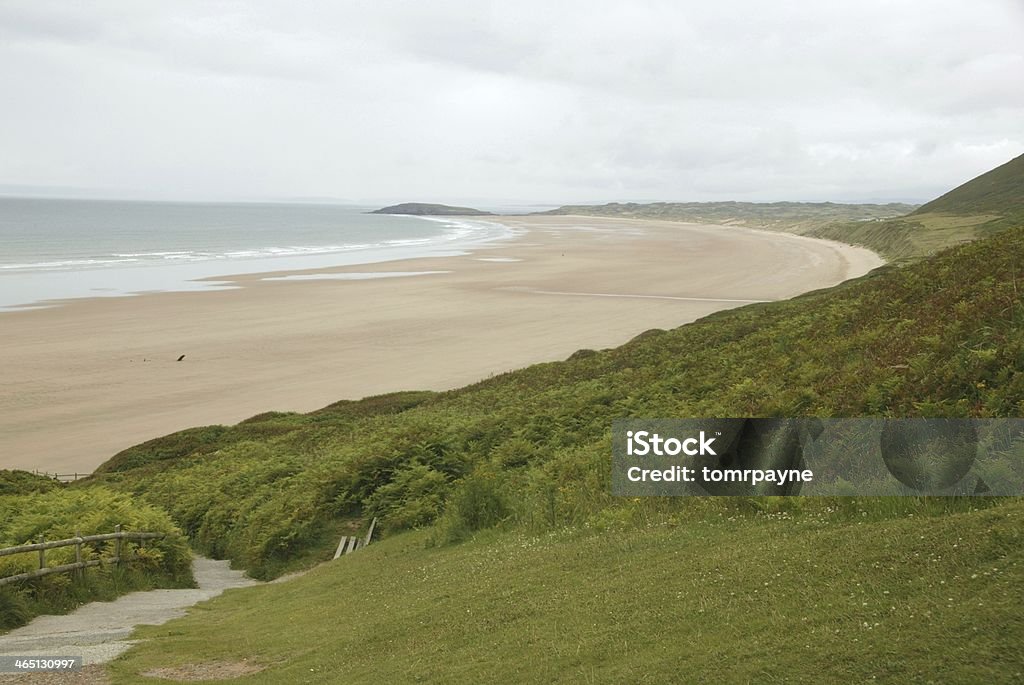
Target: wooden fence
(63, 477)
(79, 566)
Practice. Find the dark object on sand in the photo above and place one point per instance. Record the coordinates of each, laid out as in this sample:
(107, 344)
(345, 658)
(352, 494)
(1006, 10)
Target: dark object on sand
(181, 357)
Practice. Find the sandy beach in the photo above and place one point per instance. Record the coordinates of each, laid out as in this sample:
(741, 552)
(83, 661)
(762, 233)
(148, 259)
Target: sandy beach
(87, 379)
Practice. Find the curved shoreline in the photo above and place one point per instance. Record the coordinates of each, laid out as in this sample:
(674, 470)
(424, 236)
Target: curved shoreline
(89, 379)
(49, 288)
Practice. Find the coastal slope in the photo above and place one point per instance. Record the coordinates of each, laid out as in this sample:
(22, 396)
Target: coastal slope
(999, 191)
(983, 206)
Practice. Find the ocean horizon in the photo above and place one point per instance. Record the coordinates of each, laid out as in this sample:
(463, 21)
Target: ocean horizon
(65, 249)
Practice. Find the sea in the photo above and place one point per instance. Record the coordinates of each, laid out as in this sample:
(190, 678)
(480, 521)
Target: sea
(53, 250)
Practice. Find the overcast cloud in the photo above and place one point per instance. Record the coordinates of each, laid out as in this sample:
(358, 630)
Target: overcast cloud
(509, 101)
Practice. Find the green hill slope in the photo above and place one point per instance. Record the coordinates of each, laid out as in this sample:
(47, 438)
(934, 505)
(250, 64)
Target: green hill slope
(941, 337)
(769, 599)
(913, 236)
(983, 206)
(24, 483)
(1000, 191)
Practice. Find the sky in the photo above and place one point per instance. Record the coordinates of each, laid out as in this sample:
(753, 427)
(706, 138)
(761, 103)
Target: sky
(527, 102)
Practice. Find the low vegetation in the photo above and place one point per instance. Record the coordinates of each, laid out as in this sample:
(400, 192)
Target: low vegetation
(23, 483)
(941, 337)
(55, 512)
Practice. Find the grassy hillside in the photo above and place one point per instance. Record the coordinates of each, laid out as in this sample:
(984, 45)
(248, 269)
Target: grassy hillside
(529, 449)
(981, 207)
(999, 191)
(773, 598)
(916, 235)
(18, 482)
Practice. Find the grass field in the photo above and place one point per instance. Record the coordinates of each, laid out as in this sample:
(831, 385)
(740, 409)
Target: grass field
(696, 596)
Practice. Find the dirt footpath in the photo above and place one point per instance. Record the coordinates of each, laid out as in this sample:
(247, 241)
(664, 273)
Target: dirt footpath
(98, 631)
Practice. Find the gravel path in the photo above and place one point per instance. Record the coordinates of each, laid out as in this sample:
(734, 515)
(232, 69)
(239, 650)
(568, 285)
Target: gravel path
(98, 631)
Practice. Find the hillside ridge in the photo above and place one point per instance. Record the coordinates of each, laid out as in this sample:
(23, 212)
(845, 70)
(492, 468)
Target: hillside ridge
(998, 191)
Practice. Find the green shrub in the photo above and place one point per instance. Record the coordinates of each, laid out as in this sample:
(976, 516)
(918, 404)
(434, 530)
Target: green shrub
(14, 609)
(62, 513)
(477, 503)
(23, 483)
(414, 498)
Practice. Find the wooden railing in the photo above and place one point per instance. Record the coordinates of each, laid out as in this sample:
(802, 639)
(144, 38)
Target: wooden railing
(350, 543)
(63, 477)
(79, 566)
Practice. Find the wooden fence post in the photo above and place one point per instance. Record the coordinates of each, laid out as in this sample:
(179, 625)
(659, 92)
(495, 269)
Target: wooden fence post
(117, 545)
(369, 533)
(42, 553)
(78, 555)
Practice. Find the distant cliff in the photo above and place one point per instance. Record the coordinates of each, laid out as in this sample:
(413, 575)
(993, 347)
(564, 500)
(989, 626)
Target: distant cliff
(423, 209)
